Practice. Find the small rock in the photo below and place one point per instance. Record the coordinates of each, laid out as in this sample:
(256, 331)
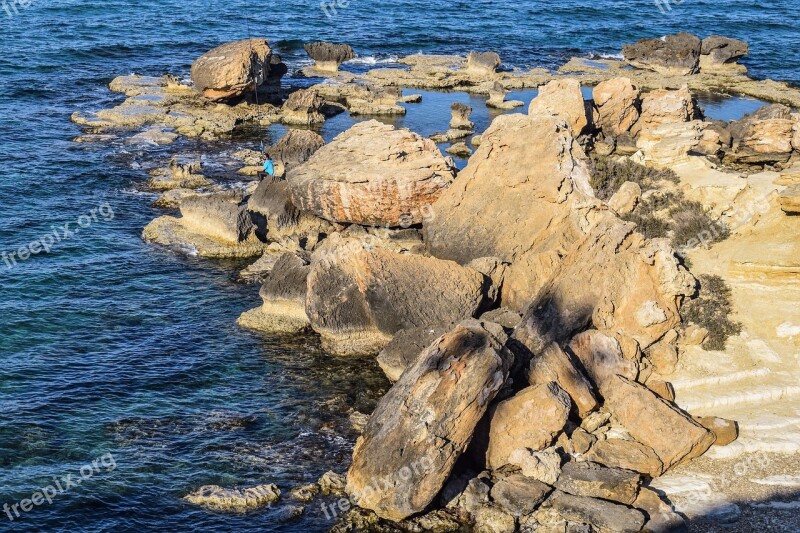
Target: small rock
(554, 364)
(544, 466)
(520, 495)
(660, 516)
(332, 483)
(460, 119)
(726, 431)
(459, 150)
(592, 422)
(662, 388)
(581, 441)
(596, 481)
(328, 56)
(290, 512)
(358, 421)
(474, 496)
(236, 500)
(694, 335)
(664, 356)
(626, 198)
(491, 519)
(305, 493)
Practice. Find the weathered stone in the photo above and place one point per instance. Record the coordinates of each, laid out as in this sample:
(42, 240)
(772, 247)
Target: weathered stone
(764, 136)
(503, 316)
(472, 497)
(617, 103)
(372, 174)
(662, 388)
(581, 441)
(220, 216)
(514, 201)
(626, 198)
(483, 63)
(601, 356)
(670, 432)
(460, 119)
(562, 98)
(405, 347)
(672, 55)
(519, 495)
(424, 423)
(790, 200)
(663, 106)
(660, 516)
(328, 56)
(358, 299)
(721, 50)
(554, 364)
(601, 514)
(295, 148)
(178, 176)
(725, 431)
(459, 150)
(664, 356)
(236, 500)
(232, 69)
(531, 419)
(305, 493)
(302, 108)
(596, 481)
(544, 465)
(497, 100)
(332, 483)
(491, 519)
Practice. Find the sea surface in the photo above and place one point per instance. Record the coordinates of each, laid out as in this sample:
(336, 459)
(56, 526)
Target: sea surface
(122, 360)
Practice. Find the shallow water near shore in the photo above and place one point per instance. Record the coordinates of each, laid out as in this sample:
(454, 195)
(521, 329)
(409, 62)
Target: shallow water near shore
(112, 346)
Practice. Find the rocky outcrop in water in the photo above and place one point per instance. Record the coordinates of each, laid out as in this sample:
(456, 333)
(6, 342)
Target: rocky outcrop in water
(230, 70)
(674, 55)
(328, 56)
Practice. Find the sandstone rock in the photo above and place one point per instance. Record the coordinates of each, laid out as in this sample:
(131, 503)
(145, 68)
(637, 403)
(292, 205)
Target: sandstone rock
(595, 421)
(459, 150)
(601, 356)
(405, 347)
(505, 317)
(664, 356)
(497, 99)
(790, 200)
(236, 500)
(460, 119)
(661, 388)
(553, 364)
(483, 63)
(424, 423)
(562, 98)
(295, 148)
(359, 299)
(581, 441)
(670, 432)
(764, 136)
(717, 51)
(514, 201)
(601, 514)
(626, 198)
(374, 100)
(372, 174)
(328, 56)
(531, 419)
(472, 497)
(596, 481)
(174, 233)
(491, 519)
(629, 455)
(305, 493)
(178, 176)
(660, 516)
(725, 431)
(332, 483)
(672, 55)
(544, 466)
(302, 108)
(663, 106)
(284, 296)
(219, 216)
(232, 69)
(617, 103)
(519, 495)
(668, 145)
(615, 280)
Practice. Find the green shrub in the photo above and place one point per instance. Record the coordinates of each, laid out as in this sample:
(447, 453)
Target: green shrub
(608, 175)
(692, 226)
(711, 310)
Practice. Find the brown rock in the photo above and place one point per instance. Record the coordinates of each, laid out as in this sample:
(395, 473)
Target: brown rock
(562, 98)
(295, 147)
(626, 198)
(670, 432)
(519, 495)
(460, 119)
(617, 103)
(601, 356)
(554, 364)
(232, 69)
(596, 481)
(372, 174)
(531, 419)
(402, 352)
(664, 356)
(764, 136)
(790, 200)
(663, 388)
(660, 516)
(721, 50)
(726, 431)
(492, 519)
(672, 55)
(219, 216)
(630, 455)
(544, 466)
(663, 106)
(328, 56)
(302, 108)
(424, 423)
(601, 514)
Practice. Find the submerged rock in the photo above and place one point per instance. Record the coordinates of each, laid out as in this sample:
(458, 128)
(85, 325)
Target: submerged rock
(236, 500)
(230, 70)
(424, 423)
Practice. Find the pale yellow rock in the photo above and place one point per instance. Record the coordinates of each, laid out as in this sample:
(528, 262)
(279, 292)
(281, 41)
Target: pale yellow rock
(562, 98)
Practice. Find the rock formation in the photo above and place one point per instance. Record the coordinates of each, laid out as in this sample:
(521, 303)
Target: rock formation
(674, 55)
(302, 108)
(562, 98)
(232, 69)
(328, 56)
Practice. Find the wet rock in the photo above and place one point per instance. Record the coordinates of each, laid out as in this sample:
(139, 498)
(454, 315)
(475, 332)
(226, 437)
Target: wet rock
(626, 198)
(328, 56)
(554, 364)
(284, 296)
(660, 516)
(459, 150)
(670, 432)
(725, 431)
(497, 99)
(672, 55)
(302, 108)
(544, 465)
(332, 483)
(596, 481)
(358, 299)
(358, 421)
(372, 174)
(405, 347)
(531, 419)
(424, 423)
(219, 216)
(519, 495)
(513, 201)
(305, 493)
(230, 70)
(562, 98)
(617, 102)
(172, 232)
(290, 512)
(178, 176)
(156, 136)
(234, 500)
(483, 63)
(601, 514)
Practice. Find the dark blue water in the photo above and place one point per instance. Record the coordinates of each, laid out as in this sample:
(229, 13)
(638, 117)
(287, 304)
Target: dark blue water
(112, 346)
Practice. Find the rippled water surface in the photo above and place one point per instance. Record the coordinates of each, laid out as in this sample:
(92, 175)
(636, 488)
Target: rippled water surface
(112, 346)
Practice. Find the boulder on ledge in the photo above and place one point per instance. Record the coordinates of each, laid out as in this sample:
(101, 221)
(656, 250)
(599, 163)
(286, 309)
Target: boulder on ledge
(672, 55)
(232, 69)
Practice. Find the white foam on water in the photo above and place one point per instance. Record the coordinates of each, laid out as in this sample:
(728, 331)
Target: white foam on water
(372, 60)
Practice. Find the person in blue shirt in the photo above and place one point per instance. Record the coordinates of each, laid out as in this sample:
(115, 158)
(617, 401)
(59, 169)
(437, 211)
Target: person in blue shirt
(269, 166)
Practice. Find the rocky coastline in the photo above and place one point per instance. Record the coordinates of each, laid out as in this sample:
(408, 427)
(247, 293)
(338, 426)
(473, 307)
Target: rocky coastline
(546, 314)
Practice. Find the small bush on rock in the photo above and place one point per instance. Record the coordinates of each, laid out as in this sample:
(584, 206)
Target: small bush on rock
(608, 175)
(711, 310)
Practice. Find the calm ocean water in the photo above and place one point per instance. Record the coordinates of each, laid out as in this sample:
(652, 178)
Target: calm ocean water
(112, 346)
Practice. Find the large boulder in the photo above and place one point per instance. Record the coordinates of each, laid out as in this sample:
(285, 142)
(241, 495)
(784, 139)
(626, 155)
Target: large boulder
(328, 56)
(302, 108)
(764, 136)
(232, 69)
(359, 298)
(219, 216)
(372, 174)
(522, 198)
(529, 420)
(672, 55)
(483, 63)
(617, 102)
(613, 279)
(295, 148)
(663, 106)
(719, 54)
(562, 98)
(424, 423)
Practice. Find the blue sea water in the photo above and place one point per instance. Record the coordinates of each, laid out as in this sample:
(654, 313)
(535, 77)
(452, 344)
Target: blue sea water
(112, 346)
